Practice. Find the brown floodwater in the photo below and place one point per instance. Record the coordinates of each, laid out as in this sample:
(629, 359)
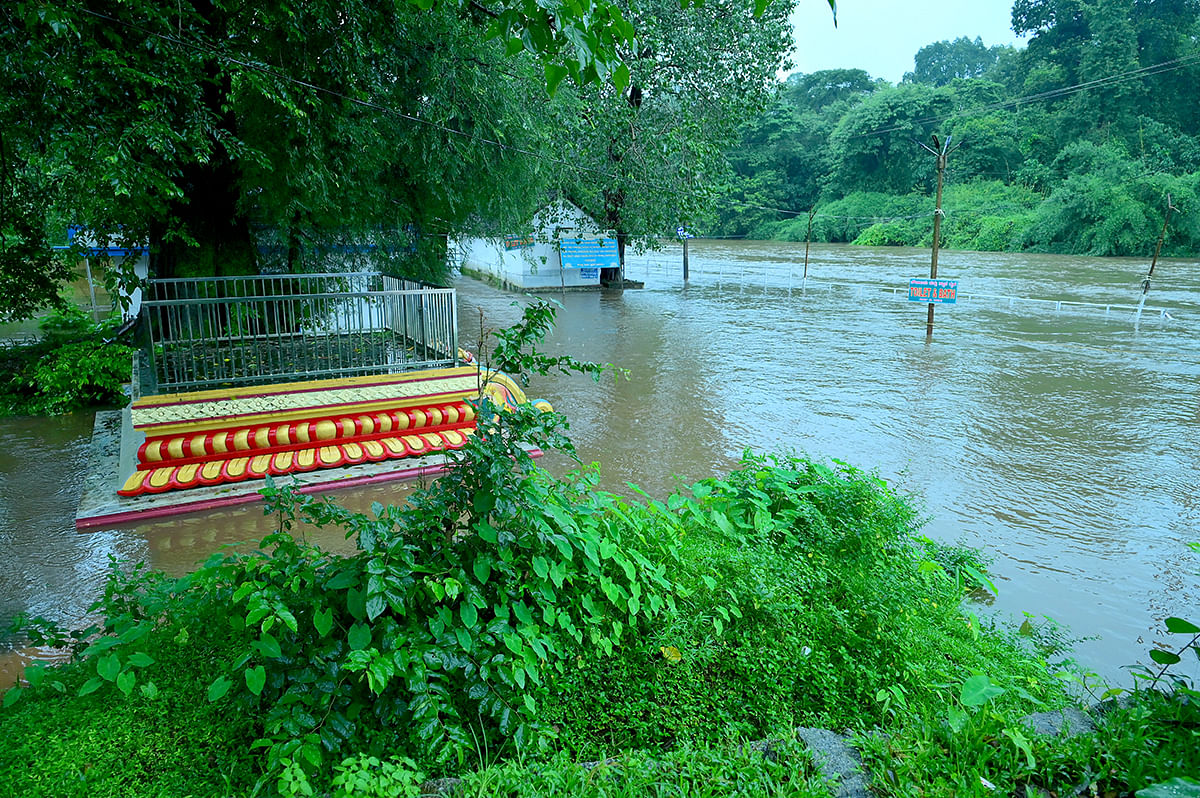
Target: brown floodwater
(1062, 441)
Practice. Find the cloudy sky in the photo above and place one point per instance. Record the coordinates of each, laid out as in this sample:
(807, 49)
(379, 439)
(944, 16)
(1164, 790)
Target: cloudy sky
(882, 37)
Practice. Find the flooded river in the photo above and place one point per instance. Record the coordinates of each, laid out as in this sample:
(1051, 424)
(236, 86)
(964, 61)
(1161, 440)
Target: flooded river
(1056, 437)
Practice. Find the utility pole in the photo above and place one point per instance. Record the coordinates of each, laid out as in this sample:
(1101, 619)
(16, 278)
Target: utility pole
(685, 259)
(940, 151)
(1153, 262)
(808, 240)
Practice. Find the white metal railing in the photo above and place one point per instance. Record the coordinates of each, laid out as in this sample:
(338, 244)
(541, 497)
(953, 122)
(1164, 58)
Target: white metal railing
(225, 331)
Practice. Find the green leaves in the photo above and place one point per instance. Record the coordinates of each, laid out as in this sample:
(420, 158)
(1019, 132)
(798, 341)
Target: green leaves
(219, 687)
(978, 690)
(555, 75)
(1164, 657)
(256, 679)
(359, 636)
(108, 667)
(1179, 626)
(269, 646)
(1178, 787)
(323, 621)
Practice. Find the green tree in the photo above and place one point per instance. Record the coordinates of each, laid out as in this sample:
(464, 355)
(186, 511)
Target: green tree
(941, 62)
(653, 152)
(192, 124)
(873, 146)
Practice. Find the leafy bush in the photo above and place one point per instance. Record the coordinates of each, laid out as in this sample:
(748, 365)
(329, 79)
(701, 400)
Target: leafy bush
(808, 600)
(71, 367)
(985, 749)
(502, 613)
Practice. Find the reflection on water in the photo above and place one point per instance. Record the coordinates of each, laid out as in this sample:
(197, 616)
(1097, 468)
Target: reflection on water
(1062, 443)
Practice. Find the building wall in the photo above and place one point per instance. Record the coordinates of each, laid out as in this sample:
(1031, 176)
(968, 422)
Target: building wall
(537, 265)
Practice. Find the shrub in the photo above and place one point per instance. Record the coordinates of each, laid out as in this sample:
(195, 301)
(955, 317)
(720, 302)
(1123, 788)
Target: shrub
(72, 366)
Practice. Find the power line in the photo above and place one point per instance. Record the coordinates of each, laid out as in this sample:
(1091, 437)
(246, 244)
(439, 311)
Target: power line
(1120, 77)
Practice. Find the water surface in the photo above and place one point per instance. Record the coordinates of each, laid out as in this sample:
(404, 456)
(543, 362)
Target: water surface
(1063, 443)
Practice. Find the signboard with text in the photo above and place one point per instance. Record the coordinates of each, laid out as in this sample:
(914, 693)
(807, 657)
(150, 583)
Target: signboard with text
(940, 292)
(518, 242)
(589, 253)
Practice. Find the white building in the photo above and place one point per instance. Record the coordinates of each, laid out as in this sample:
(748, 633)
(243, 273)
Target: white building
(566, 250)
(99, 257)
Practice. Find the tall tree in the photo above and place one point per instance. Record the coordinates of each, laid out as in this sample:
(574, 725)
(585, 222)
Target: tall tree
(873, 149)
(944, 61)
(653, 149)
(196, 125)
(189, 124)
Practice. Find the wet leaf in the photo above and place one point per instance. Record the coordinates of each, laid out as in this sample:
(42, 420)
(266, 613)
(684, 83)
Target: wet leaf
(256, 679)
(218, 689)
(978, 690)
(323, 621)
(126, 681)
(1178, 787)
(359, 636)
(1179, 626)
(90, 686)
(108, 667)
(1163, 657)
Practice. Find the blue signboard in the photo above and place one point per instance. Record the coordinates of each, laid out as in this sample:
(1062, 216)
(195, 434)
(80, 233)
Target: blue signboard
(589, 253)
(940, 292)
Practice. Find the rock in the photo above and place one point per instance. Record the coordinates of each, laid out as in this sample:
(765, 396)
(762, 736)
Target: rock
(837, 759)
(439, 788)
(1071, 720)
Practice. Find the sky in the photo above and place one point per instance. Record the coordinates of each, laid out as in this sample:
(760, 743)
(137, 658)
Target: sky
(882, 36)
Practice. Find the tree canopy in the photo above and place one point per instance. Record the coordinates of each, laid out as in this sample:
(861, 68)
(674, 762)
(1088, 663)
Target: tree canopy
(1068, 145)
(228, 135)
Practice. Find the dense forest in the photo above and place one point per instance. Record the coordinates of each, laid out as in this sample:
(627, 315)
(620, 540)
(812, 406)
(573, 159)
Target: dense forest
(1070, 144)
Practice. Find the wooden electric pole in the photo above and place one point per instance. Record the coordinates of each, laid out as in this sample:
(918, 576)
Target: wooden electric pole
(807, 241)
(1153, 262)
(940, 151)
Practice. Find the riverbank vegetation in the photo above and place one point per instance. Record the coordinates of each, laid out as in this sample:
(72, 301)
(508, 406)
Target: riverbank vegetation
(506, 626)
(75, 363)
(1070, 144)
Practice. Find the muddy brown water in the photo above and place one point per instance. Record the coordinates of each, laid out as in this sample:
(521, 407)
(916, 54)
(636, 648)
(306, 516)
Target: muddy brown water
(1062, 441)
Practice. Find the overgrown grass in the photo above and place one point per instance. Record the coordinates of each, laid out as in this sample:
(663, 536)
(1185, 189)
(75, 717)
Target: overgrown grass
(505, 626)
(1146, 739)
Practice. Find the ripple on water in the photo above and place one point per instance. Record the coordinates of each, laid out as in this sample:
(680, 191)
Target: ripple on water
(1061, 442)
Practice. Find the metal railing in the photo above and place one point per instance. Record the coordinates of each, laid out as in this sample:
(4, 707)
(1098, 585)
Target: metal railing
(226, 331)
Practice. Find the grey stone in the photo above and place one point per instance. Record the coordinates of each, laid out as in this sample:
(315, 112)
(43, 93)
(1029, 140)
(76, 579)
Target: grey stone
(837, 759)
(1071, 720)
(436, 788)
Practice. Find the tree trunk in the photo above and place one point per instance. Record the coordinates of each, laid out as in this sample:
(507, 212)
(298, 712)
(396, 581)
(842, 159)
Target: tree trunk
(222, 243)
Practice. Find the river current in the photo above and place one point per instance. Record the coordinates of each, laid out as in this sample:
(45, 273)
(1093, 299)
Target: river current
(1059, 438)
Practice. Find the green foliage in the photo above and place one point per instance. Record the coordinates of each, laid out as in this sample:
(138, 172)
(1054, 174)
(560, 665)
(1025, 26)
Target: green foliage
(157, 741)
(72, 366)
(808, 595)
(987, 749)
(658, 145)
(369, 777)
(941, 62)
(784, 772)
(1101, 158)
